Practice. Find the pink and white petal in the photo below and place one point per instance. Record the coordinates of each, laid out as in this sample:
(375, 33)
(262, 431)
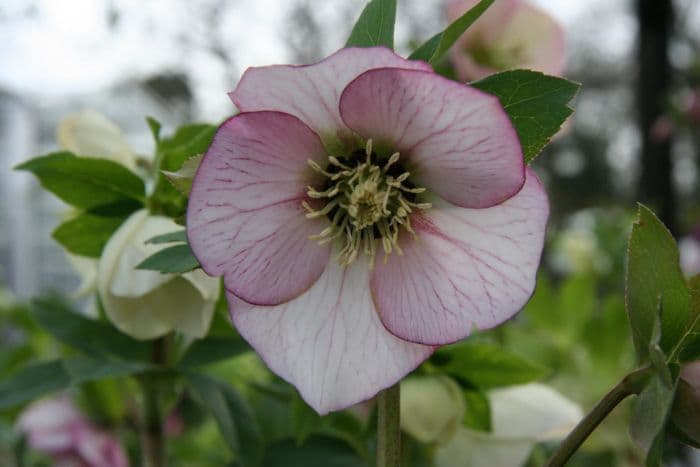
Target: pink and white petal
(329, 342)
(539, 39)
(457, 141)
(312, 92)
(245, 220)
(467, 268)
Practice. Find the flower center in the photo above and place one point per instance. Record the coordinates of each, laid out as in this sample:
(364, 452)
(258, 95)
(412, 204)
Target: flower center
(366, 201)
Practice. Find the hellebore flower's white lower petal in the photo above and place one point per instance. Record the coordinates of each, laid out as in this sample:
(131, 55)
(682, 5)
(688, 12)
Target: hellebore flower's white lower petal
(89, 133)
(329, 342)
(432, 407)
(456, 140)
(148, 304)
(521, 416)
(245, 217)
(311, 92)
(467, 267)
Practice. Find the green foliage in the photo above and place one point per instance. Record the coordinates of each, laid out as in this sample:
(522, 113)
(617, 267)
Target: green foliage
(654, 276)
(213, 349)
(536, 103)
(652, 408)
(485, 365)
(32, 382)
(316, 451)
(87, 234)
(86, 182)
(174, 260)
(375, 26)
(233, 415)
(179, 236)
(433, 50)
(477, 415)
(82, 369)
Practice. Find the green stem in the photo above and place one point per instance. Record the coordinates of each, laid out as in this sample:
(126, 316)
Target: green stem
(152, 436)
(388, 428)
(633, 383)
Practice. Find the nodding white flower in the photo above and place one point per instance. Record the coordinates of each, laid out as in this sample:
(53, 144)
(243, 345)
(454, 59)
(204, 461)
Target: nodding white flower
(432, 407)
(147, 304)
(521, 416)
(510, 34)
(56, 428)
(364, 210)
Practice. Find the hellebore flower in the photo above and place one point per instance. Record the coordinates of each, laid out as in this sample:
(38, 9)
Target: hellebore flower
(432, 407)
(510, 34)
(148, 304)
(521, 416)
(56, 428)
(362, 211)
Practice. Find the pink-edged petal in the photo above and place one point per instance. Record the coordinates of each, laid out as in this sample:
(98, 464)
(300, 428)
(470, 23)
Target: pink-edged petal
(245, 220)
(329, 342)
(311, 92)
(467, 268)
(457, 141)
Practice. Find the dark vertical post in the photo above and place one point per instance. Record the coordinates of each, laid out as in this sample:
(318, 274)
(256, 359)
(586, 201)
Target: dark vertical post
(655, 19)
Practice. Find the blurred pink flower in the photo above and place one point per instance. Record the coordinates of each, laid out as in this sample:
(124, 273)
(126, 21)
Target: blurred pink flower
(56, 428)
(510, 34)
(329, 165)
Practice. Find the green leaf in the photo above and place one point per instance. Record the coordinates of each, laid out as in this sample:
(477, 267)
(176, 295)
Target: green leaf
(317, 451)
(653, 274)
(155, 128)
(536, 103)
(182, 178)
(651, 412)
(94, 338)
(233, 415)
(486, 365)
(304, 420)
(433, 50)
(32, 382)
(477, 415)
(175, 259)
(87, 234)
(179, 236)
(213, 349)
(86, 182)
(375, 26)
(84, 369)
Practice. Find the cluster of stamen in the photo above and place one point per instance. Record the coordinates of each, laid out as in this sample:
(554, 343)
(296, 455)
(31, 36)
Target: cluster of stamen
(365, 202)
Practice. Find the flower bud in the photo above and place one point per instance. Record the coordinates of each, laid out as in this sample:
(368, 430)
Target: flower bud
(432, 407)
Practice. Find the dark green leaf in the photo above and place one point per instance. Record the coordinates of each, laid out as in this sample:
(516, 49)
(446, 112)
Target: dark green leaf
(233, 415)
(87, 234)
(433, 50)
(651, 412)
(179, 236)
(477, 415)
(317, 451)
(213, 349)
(653, 274)
(32, 382)
(155, 127)
(84, 369)
(486, 365)
(375, 26)
(304, 420)
(537, 104)
(175, 259)
(85, 182)
(182, 178)
(94, 338)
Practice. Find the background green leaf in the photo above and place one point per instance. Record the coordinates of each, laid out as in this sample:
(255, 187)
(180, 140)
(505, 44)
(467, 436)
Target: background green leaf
(32, 382)
(87, 234)
(316, 451)
(175, 259)
(85, 182)
(536, 103)
(434, 48)
(179, 236)
(213, 349)
(652, 408)
(375, 26)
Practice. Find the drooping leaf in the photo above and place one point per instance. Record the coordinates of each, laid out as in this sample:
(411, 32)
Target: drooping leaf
(375, 26)
(86, 182)
(654, 275)
(536, 103)
(486, 365)
(477, 415)
(652, 408)
(82, 369)
(172, 260)
(94, 338)
(213, 349)
(87, 234)
(179, 236)
(233, 415)
(32, 382)
(434, 48)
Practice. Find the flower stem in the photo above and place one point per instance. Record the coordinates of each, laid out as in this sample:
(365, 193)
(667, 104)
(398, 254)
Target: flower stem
(633, 383)
(388, 428)
(152, 437)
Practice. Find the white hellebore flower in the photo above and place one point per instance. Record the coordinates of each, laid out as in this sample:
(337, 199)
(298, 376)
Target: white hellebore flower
(148, 304)
(432, 407)
(521, 416)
